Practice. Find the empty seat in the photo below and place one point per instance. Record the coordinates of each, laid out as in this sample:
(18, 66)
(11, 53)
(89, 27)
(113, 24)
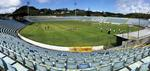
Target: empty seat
(88, 60)
(6, 51)
(1, 49)
(89, 69)
(118, 65)
(20, 59)
(146, 53)
(62, 60)
(40, 68)
(70, 60)
(52, 59)
(16, 53)
(29, 64)
(135, 66)
(124, 69)
(144, 67)
(105, 68)
(57, 69)
(105, 62)
(129, 60)
(49, 63)
(9, 60)
(10, 68)
(2, 66)
(60, 65)
(78, 60)
(31, 57)
(2, 55)
(83, 66)
(12, 55)
(94, 64)
(39, 60)
(138, 56)
(71, 66)
(20, 67)
(146, 60)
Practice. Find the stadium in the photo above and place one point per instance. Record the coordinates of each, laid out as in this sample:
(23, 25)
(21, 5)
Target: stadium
(73, 43)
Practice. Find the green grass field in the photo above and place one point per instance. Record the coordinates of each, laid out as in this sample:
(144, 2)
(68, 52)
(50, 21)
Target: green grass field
(75, 33)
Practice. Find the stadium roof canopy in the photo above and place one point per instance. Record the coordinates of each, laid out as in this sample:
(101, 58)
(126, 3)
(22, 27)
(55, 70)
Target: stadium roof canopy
(134, 35)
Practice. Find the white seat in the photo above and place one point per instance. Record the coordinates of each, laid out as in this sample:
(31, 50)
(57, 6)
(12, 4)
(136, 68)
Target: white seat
(144, 67)
(105, 68)
(146, 60)
(135, 66)
(40, 68)
(19, 67)
(10, 67)
(8, 60)
(2, 64)
(29, 64)
(118, 65)
(124, 69)
(2, 55)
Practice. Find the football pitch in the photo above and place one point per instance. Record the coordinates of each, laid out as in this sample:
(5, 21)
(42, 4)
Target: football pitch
(75, 33)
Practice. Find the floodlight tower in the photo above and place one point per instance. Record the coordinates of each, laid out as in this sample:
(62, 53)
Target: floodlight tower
(139, 24)
(148, 18)
(28, 9)
(88, 12)
(75, 5)
(128, 34)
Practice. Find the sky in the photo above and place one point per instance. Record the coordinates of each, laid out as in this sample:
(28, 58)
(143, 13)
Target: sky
(117, 6)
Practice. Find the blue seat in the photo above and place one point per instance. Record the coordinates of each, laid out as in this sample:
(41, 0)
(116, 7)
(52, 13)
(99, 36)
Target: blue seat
(83, 66)
(60, 65)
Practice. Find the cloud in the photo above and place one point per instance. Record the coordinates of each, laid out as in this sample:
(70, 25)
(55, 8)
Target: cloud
(8, 10)
(8, 6)
(50, 1)
(43, 1)
(132, 6)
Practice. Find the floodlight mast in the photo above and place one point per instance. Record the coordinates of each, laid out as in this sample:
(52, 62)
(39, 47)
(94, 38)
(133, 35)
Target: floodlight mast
(128, 34)
(75, 4)
(148, 18)
(139, 24)
(28, 10)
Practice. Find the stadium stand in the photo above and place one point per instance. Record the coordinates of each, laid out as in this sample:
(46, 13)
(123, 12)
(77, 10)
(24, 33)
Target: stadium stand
(18, 55)
(116, 20)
